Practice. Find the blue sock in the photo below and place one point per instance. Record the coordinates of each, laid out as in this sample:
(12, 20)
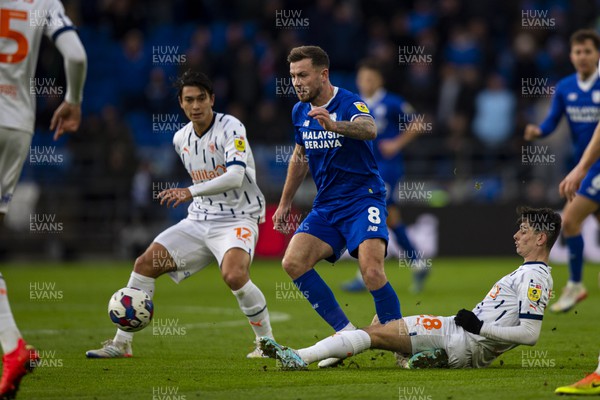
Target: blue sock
(575, 245)
(404, 241)
(387, 304)
(316, 291)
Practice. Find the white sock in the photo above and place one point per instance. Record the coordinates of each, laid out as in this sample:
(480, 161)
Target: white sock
(349, 327)
(254, 306)
(9, 333)
(140, 282)
(341, 345)
(598, 369)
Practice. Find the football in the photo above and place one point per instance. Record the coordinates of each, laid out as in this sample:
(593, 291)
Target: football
(130, 309)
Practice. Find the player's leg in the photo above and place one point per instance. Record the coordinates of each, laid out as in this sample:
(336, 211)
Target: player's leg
(14, 148)
(575, 212)
(303, 252)
(19, 358)
(371, 255)
(179, 251)
(590, 385)
(392, 336)
(232, 246)
(154, 262)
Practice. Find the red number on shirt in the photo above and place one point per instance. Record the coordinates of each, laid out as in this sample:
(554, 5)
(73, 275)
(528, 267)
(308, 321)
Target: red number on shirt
(5, 32)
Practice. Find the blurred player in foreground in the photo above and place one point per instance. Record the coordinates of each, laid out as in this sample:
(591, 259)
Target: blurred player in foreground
(388, 109)
(334, 132)
(578, 97)
(510, 314)
(22, 24)
(222, 222)
(590, 385)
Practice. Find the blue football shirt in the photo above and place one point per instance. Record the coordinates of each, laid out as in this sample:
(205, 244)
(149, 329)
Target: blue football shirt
(581, 105)
(391, 112)
(342, 168)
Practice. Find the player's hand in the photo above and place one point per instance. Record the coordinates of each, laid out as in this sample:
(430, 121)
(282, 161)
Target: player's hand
(388, 148)
(175, 196)
(66, 118)
(322, 116)
(280, 217)
(569, 186)
(532, 132)
(469, 321)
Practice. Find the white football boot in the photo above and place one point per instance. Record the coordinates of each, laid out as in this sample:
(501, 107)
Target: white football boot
(110, 349)
(257, 352)
(572, 294)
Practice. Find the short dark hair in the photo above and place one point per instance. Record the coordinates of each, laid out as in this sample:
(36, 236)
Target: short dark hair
(582, 35)
(317, 55)
(373, 65)
(541, 220)
(194, 78)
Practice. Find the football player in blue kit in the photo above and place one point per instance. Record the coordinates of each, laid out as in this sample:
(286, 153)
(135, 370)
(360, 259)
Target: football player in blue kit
(334, 132)
(578, 97)
(388, 109)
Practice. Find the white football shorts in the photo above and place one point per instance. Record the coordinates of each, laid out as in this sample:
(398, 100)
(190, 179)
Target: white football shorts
(14, 148)
(429, 332)
(195, 244)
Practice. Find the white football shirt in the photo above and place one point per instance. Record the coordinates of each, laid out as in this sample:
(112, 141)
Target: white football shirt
(208, 157)
(523, 294)
(23, 23)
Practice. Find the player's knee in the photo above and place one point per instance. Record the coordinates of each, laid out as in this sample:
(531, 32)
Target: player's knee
(143, 265)
(235, 278)
(150, 266)
(374, 277)
(293, 266)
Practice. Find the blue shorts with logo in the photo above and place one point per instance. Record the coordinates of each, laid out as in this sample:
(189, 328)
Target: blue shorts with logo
(590, 186)
(347, 224)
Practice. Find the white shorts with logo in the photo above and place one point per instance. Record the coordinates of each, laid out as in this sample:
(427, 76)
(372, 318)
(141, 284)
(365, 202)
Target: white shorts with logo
(429, 332)
(14, 148)
(195, 244)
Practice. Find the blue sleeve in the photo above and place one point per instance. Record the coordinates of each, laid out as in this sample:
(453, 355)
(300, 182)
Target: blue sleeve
(354, 107)
(557, 109)
(297, 134)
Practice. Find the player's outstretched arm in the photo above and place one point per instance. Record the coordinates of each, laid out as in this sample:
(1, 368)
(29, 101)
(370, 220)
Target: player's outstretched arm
(233, 178)
(390, 147)
(557, 109)
(67, 116)
(296, 173)
(572, 181)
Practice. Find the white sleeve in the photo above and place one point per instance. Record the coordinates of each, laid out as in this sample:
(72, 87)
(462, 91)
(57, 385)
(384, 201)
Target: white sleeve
(232, 179)
(72, 50)
(527, 333)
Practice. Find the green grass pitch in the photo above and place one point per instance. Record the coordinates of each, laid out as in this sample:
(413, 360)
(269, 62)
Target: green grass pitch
(197, 344)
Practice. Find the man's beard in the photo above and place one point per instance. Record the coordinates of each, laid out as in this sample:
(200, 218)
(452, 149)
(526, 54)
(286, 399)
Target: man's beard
(311, 98)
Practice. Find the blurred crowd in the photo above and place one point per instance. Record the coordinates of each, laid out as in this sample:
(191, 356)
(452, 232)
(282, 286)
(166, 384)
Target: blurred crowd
(468, 83)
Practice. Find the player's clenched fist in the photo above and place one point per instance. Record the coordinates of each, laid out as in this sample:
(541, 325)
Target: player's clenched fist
(469, 321)
(532, 132)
